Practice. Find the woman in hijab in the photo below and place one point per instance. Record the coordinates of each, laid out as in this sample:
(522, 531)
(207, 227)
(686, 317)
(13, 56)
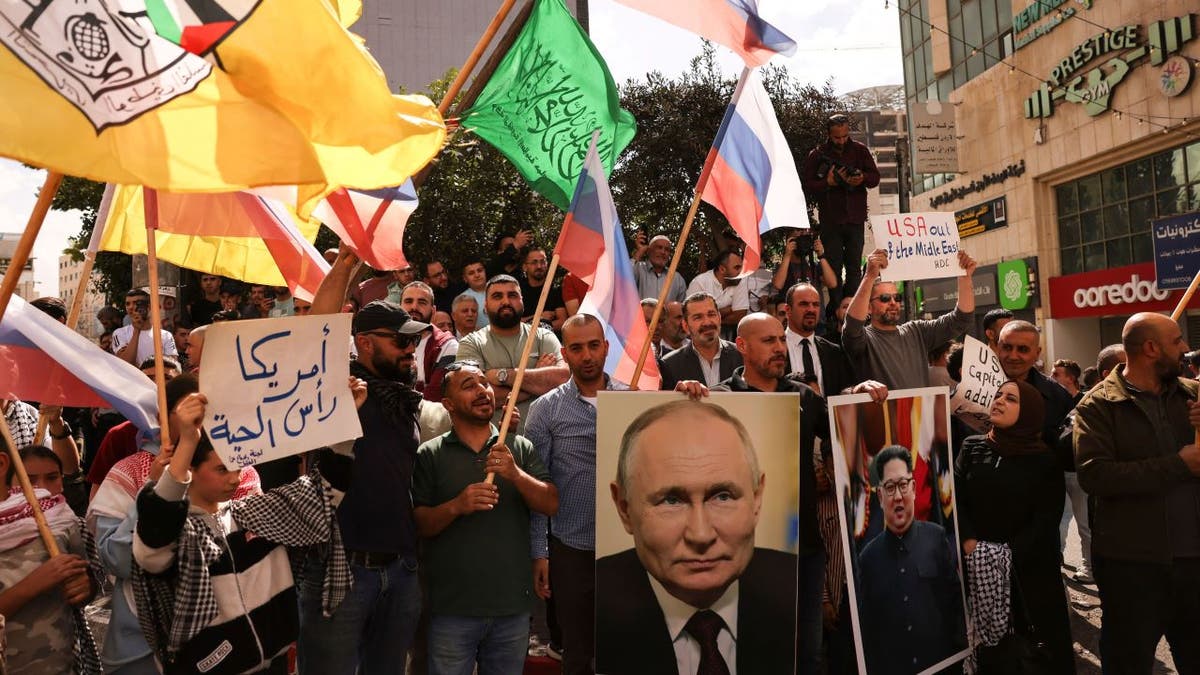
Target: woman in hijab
(1010, 499)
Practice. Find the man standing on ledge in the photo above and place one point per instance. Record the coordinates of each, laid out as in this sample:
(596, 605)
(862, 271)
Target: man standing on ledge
(892, 352)
(836, 176)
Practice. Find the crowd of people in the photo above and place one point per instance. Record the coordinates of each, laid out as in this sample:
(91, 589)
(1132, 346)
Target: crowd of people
(396, 549)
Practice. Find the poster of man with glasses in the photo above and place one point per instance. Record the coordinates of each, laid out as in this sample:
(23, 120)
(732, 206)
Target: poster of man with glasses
(904, 596)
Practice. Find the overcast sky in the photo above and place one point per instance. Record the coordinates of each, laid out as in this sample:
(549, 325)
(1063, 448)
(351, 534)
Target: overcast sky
(857, 44)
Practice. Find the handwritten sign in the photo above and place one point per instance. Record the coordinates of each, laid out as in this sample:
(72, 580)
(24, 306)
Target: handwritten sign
(1176, 251)
(935, 142)
(982, 375)
(277, 387)
(919, 245)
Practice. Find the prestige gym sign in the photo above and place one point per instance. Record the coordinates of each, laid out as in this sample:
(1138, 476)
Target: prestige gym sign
(1115, 53)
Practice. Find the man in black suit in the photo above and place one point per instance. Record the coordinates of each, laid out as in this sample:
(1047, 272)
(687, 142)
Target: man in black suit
(694, 595)
(826, 360)
(707, 358)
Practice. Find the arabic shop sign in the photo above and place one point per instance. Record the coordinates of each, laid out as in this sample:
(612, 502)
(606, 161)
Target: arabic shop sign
(1176, 251)
(985, 181)
(985, 217)
(1024, 28)
(1124, 48)
(935, 148)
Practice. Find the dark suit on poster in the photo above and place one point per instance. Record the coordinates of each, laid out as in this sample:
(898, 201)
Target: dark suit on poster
(631, 632)
(910, 599)
(684, 364)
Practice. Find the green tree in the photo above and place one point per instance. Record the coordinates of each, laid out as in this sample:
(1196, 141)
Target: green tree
(115, 269)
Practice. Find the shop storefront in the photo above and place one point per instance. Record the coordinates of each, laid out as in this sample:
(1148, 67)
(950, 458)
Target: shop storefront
(1011, 285)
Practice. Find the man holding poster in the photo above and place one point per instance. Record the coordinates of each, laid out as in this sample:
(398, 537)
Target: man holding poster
(893, 352)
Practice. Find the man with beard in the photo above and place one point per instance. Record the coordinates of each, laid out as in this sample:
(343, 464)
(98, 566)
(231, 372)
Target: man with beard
(652, 272)
(535, 266)
(497, 348)
(437, 347)
(809, 353)
(477, 532)
(722, 282)
(1137, 460)
(562, 427)
(909, 588)
(372, 629)
(892, 352)
(438, 279)
(671, 329)
(707, 358)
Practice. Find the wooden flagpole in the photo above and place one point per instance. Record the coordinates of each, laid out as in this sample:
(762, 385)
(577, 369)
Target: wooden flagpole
(150, 206)
(1180, 308)
(7, 288)
(520, 376)
(476, 54)
(683, 235)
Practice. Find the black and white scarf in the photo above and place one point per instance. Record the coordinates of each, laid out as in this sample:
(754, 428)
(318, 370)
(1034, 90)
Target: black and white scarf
(989, 567)
(175, 606)
(396, 399)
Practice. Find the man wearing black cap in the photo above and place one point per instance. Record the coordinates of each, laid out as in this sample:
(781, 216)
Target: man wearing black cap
(372, 629)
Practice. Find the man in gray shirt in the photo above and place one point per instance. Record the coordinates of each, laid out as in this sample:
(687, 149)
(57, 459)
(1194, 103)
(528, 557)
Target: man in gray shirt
(892, 352)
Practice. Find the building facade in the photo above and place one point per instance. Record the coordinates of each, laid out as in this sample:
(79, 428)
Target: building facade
(69, 271)
(26, 287)
(1079, 129)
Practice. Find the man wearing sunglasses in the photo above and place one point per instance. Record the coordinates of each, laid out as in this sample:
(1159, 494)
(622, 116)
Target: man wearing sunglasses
(895, 352)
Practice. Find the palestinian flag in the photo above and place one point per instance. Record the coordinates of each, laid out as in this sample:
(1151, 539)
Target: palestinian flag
(197, 25)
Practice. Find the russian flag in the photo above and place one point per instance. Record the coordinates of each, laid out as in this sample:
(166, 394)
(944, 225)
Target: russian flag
(752, 175)
(371, 222)
(592, 246)
(733, 23)
(43, 360)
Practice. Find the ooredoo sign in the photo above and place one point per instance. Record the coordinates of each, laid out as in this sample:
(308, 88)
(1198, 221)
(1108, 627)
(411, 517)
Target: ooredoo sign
(1118, 291)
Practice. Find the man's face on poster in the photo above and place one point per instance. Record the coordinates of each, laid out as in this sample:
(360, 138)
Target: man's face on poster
(897, 496)
(691, 503)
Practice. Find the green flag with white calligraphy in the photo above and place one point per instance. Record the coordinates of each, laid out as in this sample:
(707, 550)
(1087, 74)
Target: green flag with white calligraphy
(547, 96)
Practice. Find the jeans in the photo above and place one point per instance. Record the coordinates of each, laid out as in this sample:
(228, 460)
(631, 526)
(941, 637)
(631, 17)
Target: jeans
(371, 630)
(1142, 602)
(573, 587)
(843, 246)
(1077, 506)
(809, 625)
(498, 644)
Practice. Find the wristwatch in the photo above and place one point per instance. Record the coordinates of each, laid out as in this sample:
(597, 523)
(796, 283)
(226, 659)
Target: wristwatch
(502, 376)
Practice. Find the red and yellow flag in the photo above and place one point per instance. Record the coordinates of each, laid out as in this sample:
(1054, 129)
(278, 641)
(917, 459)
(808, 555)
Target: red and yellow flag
(204, 95)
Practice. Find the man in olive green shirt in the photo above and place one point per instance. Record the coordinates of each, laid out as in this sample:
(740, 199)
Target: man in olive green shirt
(477, 532)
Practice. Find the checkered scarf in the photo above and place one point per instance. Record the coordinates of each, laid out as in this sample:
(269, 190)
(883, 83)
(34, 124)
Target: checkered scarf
(175, 606)
(989, 568)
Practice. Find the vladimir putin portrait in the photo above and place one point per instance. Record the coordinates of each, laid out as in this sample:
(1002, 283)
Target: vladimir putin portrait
(694, 595)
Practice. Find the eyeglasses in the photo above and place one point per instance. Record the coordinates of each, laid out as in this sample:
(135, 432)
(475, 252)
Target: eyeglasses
(400, 339)
(904, 485)
(888, 297)
(537, 263)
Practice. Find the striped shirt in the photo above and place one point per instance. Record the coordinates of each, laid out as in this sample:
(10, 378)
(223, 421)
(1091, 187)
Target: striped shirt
(562, 428)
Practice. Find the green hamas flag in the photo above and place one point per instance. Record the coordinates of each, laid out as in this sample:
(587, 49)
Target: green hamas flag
(547, 96)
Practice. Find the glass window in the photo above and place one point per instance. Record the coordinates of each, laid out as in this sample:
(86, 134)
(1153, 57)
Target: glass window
(1093, 257)
(1072, 260)
(1168, 169)
(1089, 193)
(1141, 212)
(1112, 184)
(1193, 162)
(975, 66)
(1116, 221)
(1118, 252)
(1090, 226)
(1143, 247)
(1064, 198)
(1068, 232)
(1172, 202)
(1139, 177)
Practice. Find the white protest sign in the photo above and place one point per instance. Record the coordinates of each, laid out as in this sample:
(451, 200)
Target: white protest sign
(919, 245)
(277, 387)
(981, 377)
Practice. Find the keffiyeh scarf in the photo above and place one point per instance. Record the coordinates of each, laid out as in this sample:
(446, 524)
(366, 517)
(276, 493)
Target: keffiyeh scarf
(989, 567)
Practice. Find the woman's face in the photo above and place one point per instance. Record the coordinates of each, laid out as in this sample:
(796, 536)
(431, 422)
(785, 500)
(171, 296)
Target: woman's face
(1007, 406)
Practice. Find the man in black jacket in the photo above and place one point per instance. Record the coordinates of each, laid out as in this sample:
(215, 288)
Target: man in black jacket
(707, 358)
(836, 176)
(830, 367)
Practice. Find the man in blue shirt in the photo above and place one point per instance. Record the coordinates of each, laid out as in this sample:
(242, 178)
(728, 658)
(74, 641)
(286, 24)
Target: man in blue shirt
(562, 427)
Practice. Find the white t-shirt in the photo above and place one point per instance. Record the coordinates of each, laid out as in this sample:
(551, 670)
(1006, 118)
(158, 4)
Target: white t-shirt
(736, 297)
(145, 349)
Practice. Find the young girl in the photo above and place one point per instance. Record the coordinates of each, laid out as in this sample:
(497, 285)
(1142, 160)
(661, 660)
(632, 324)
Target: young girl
(214, 586)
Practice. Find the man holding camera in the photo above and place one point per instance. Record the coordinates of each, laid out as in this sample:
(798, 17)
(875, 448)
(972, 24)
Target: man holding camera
(836, 177)
(135, 343)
